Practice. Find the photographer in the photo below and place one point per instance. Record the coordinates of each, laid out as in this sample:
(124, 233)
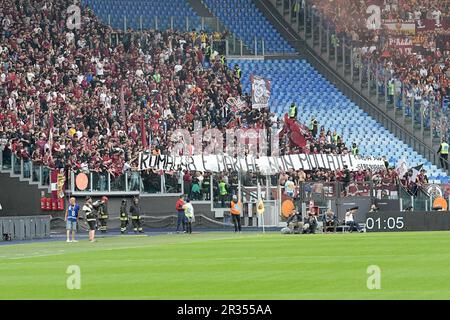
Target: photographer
(294, 222)
(330, 221)
(310, 223)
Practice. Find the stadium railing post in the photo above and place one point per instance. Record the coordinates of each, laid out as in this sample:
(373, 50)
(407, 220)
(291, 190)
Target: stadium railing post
(422, 123)
(262, 47)
(386, 97)
(21, 168)
(368, 79)
(431, 110)
(377, 91)
(241, 48)
(312, 27)
(13, 163)
(335, 52)
(413, 111)
(320, 33)
(304, 19)
(360, 75)
(343, 55)
(403, 104)
(290, 12)
(351, 63)
(328, 43)
(163, 183)
(256, 46)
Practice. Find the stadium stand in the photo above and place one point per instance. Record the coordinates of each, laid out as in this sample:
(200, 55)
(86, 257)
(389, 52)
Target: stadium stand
(82, 85)
(149, 13)
(243, 18)
(411, 49)
(296, 80)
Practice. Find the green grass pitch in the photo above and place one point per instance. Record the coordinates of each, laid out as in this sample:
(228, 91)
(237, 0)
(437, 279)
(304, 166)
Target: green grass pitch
(224, 265)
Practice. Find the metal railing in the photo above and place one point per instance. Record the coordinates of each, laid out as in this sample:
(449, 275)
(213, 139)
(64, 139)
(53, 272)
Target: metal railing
(223, 41)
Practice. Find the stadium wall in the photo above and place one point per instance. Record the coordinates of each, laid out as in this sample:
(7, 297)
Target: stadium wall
(19, 198)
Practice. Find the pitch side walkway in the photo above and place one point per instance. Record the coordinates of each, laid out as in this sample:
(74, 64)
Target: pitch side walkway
(60, 235)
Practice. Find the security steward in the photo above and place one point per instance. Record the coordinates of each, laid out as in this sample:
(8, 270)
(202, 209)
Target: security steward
(443, 154)
(102, 214)
(91, 217)
(293, 111)
(123, 216)
(236, 209)
(237, 72)
(135, 211)
(355, 150)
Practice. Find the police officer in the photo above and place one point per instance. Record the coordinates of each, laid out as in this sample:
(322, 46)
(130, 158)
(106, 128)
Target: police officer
(443, 153)
(223, 60)
(102, 213)
(135, 211)
(91, 218)
(293, 111)
(123, 216)
(335, 137)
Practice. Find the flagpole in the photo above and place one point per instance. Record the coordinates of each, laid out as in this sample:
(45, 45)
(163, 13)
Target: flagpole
(259, 202)
(264, 231)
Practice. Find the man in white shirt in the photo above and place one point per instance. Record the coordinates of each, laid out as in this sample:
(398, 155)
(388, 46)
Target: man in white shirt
(350, 220)
(189, 214)
(436, 14)
(289, 187)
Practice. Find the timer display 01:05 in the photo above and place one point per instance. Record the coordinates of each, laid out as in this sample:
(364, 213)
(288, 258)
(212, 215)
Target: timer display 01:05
(390, 223)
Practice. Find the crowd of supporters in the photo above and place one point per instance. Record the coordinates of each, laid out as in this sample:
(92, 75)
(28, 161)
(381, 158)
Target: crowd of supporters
(99, 88)
(416, 63)
(91, 98)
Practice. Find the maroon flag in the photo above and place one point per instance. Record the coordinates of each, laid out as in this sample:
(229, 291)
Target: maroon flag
(143, 133)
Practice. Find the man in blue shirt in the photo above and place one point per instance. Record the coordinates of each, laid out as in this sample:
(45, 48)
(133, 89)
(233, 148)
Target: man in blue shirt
(71, 219)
